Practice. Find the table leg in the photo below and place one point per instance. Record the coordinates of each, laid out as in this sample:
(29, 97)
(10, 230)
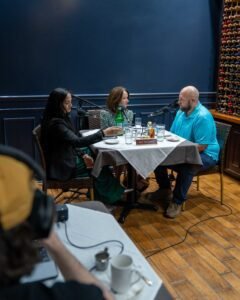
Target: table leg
(132, 202)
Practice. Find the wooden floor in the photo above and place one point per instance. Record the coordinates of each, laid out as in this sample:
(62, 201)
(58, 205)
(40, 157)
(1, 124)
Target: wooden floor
(207, 264)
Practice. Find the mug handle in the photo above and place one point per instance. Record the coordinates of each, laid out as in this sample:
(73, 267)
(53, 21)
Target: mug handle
(136, 280)
(141, 276)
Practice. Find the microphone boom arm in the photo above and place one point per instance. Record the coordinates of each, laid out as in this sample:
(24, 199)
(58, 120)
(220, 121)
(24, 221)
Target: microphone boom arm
(87, 101)
(164, 109)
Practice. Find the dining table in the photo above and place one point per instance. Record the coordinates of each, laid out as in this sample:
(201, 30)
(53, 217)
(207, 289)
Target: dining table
(142, 159)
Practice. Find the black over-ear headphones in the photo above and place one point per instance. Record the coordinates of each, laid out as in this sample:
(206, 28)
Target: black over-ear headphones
(43, 208)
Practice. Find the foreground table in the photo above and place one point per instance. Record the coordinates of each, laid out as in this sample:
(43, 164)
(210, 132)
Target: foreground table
(87, 227)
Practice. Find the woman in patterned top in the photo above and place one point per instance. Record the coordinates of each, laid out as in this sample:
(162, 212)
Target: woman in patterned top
(117, 97)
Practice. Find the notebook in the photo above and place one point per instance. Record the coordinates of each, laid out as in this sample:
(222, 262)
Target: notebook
(45, 269)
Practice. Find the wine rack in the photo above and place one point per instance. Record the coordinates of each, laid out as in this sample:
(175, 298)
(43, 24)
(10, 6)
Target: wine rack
(228, 100)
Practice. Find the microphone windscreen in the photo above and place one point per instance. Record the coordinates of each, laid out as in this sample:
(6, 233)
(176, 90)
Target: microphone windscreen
(175, 104)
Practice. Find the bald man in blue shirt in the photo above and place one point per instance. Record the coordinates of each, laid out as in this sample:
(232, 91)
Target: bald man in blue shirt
(195, 123)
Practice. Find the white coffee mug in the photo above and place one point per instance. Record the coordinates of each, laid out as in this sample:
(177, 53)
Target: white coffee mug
(121, 273)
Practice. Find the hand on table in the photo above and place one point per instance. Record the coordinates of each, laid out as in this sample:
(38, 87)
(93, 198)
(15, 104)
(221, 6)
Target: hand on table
(114, 130)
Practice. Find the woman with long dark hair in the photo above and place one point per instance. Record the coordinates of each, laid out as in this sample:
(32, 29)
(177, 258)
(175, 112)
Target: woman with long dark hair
(67, 153)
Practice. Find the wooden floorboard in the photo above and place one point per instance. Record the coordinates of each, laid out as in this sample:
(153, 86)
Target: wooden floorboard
(207, 264)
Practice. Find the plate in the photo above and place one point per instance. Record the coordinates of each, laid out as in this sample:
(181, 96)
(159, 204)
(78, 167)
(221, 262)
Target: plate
(132, 293)
(173, 139)
(111, 141)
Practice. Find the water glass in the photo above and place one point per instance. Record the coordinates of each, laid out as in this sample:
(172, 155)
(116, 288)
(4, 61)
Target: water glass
(128, 135)
(144, 132)
(160, 132)
(138, 122)
(134, 133)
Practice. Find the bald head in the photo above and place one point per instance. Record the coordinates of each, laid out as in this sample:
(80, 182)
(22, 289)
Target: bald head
(188, 99)
(191, 91)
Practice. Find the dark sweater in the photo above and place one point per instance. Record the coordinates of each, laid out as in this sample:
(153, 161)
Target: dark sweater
(59, 291)
(59, 143)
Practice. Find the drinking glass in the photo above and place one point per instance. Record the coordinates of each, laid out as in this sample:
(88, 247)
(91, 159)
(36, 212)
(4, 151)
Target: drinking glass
(160, 132)
(138, 122)
(128, 135)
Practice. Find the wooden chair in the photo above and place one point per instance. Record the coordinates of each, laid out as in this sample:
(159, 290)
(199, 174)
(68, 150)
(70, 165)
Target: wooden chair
(94, 119)
(71, 185)
(223, 131)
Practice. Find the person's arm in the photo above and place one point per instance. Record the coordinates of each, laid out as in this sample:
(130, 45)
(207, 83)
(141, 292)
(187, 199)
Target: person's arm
(201, 148)
(69, 265)
(203, 132)
(61, 132)
(104, 116)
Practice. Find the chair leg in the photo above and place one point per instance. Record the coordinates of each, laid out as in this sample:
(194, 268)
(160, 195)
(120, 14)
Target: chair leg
(183, 205)
(221, 188)
(197, 183)
(91, 191)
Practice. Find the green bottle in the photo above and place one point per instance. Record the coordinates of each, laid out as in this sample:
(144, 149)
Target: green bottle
(119, 119)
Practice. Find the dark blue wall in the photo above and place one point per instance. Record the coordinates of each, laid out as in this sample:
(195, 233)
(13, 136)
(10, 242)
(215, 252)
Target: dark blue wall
(153, 47)
(90, 46)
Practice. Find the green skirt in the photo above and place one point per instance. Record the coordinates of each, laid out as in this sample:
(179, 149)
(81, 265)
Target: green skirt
(106, 187)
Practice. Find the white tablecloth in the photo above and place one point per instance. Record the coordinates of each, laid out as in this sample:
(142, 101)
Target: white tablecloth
(87, 227)
(144, 158)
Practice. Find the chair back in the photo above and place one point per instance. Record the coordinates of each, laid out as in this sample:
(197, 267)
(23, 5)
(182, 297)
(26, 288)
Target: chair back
(94, 119)
(68, 185)
(223, 131)
(37, 136)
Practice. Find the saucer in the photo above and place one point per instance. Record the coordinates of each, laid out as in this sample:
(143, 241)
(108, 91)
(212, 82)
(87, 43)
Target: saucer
(132, 293)
(173, 139)
(111, 141)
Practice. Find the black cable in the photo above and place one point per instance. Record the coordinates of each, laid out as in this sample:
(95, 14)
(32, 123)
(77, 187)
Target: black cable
(188, 230)
(92, 246)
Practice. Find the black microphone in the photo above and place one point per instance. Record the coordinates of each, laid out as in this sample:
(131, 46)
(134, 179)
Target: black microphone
(123, 109)
(164, 109)
(174, 104)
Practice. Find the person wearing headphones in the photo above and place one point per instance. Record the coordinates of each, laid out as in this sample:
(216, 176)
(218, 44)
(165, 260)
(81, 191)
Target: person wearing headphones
(27, 214)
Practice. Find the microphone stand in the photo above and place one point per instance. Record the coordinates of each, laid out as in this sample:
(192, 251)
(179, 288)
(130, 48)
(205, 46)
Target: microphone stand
(87, 101)
(125, 115)
(174, 105)
(83, 124)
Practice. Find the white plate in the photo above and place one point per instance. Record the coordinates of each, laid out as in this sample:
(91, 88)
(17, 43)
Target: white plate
(173, 139)
(111, 141)
(132, 293)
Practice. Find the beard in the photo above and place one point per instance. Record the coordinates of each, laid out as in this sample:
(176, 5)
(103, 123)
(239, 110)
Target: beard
(187, 108)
